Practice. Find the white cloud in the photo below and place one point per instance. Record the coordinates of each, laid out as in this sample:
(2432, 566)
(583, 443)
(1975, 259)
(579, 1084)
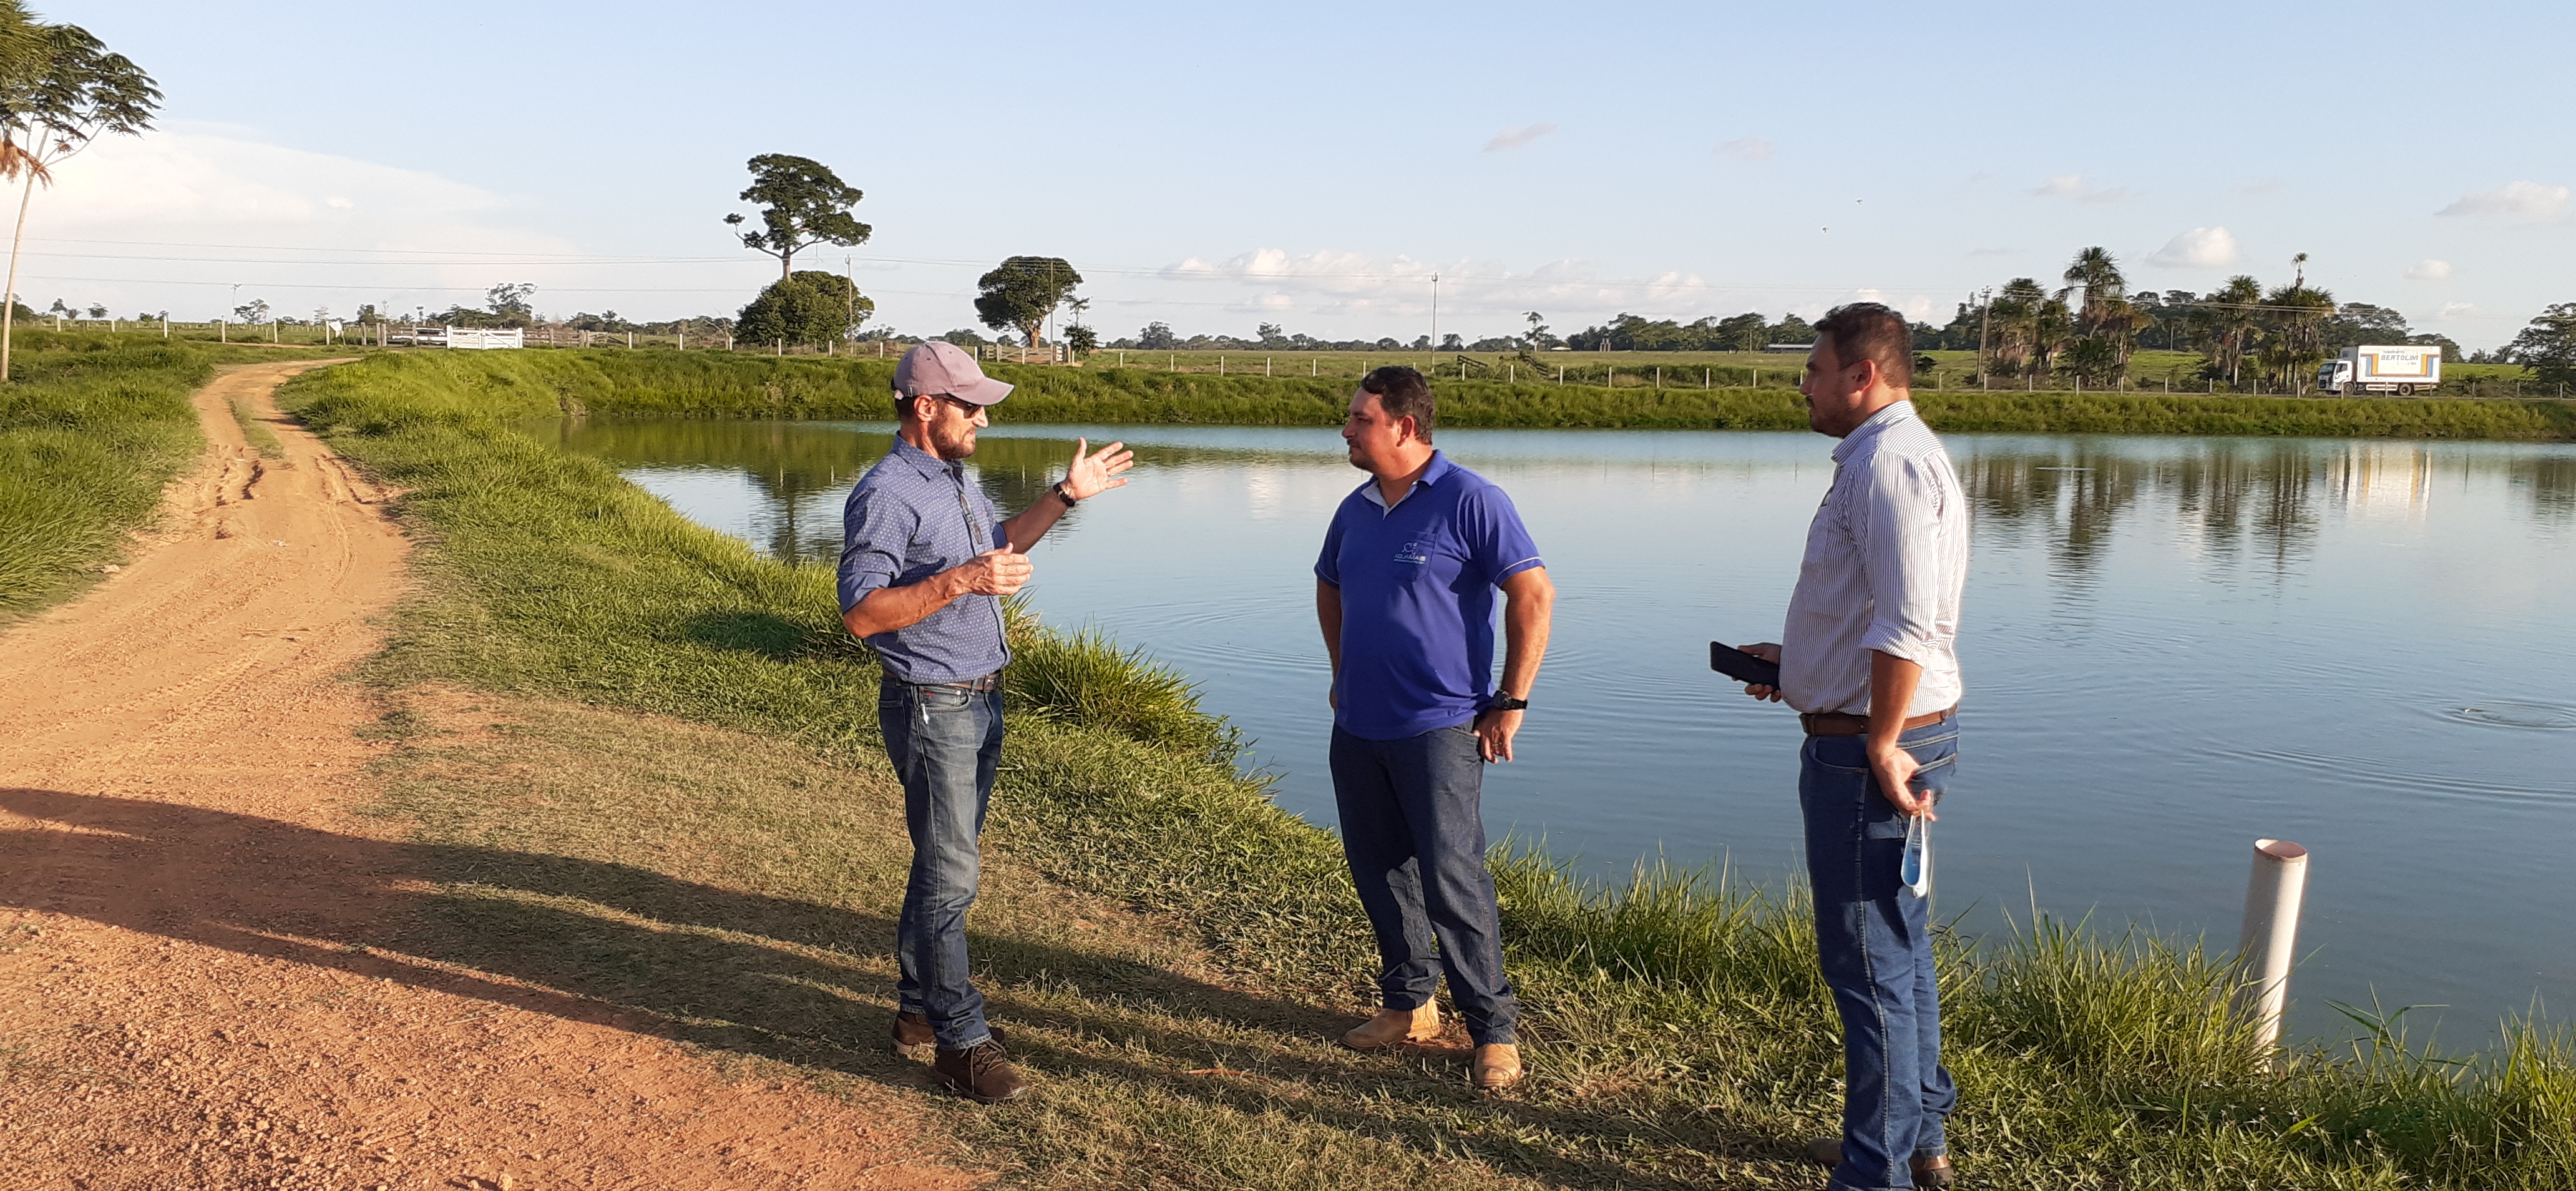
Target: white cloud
(1750, 148)
(173, 219)
(2454, 310)
(2529, 201)
(2072, 186)
(2260, 186)
(2428, 269)
(2199, 248)
(1513, 138)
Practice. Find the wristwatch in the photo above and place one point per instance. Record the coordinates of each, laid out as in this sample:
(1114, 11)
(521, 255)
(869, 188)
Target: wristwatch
(1062, 495)
(1507, 703)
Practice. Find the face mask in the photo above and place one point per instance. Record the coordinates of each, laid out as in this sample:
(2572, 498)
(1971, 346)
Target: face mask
(1917, 867)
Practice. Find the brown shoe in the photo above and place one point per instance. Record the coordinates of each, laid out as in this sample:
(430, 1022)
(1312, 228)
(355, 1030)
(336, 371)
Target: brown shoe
(1928, 1172)
(1393, 1026)
(982, 1072)
(1498, 1066)
(913, 1038)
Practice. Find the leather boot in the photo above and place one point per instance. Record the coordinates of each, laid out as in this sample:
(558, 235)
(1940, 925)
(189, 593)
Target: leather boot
(1395, 1026)
(1928, 1172)
(1498, 1066)
(980, 1071)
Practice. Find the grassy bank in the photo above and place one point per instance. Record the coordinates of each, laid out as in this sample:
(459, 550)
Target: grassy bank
(714, 384)
(91, 427)
(1173, 951)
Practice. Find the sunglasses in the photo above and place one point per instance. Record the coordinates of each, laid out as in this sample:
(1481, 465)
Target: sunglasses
(968, 408)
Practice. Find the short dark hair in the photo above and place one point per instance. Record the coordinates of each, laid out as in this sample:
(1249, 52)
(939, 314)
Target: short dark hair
(1870, 331)
(1403, 393)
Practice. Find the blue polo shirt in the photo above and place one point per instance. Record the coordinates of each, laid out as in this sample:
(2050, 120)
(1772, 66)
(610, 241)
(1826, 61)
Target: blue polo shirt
(911, 517)
(1417, 584)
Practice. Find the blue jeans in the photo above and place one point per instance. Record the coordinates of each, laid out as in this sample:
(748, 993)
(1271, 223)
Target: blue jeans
(1874, 942)
(1413, 827)
(944, 742)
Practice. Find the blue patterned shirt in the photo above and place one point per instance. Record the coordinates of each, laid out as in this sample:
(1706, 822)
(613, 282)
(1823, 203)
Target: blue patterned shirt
(911, 517)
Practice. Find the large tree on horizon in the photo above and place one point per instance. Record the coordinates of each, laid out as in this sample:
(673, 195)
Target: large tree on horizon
(803, 203)
(1022, 291)
(60, 88)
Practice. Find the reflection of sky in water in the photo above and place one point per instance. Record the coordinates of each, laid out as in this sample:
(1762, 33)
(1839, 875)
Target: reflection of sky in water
(2172, 646)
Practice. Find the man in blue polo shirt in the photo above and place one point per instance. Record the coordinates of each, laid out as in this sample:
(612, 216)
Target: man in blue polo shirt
(925, 562)
(1405, 594)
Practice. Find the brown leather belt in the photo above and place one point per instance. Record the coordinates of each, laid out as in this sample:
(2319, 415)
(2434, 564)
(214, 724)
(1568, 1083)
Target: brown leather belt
(1836, 723)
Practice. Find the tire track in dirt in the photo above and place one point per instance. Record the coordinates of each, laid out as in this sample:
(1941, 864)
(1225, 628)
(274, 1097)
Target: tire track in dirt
(183, 1000)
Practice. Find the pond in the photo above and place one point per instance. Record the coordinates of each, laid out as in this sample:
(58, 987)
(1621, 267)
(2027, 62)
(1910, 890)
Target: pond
(2171, 647)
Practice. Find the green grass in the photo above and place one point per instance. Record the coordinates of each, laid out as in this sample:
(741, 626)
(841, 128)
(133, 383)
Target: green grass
(716, 384)
(1677, 1029)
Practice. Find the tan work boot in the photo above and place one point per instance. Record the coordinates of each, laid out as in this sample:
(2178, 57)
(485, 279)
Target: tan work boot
(1498, 1066)
(1395, 1026)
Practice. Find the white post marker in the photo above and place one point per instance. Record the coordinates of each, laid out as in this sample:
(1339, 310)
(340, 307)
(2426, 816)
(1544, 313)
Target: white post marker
(2271, 935)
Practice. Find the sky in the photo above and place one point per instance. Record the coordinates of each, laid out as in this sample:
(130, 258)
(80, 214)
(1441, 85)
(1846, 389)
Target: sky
(1220, 167)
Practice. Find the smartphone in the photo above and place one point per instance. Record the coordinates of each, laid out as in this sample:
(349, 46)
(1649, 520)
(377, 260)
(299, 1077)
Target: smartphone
(1742, 666)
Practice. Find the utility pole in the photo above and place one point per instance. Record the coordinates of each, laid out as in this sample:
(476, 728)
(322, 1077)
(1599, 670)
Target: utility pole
(1985, 302)
(1435, 312)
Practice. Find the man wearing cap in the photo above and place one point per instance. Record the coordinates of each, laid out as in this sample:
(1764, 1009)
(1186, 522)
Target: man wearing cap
(925, 562)
(1404, 591)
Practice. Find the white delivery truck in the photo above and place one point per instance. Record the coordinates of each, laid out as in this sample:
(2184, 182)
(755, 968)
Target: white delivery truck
(2401, 369)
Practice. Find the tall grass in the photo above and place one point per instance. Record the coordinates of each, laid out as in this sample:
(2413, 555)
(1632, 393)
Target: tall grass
(1678, 1028)
(91, 428)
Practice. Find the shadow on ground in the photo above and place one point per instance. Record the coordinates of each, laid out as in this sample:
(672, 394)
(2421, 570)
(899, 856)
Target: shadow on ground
(811, 985)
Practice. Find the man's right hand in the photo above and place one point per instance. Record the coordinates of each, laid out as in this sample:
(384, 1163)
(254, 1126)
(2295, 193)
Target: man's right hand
(994, 573)
(1769, 652)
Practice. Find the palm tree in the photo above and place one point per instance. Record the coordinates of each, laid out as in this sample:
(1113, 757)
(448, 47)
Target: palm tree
(2097, 273)
(2231, 317)
(2013, 317)
(2295, 316)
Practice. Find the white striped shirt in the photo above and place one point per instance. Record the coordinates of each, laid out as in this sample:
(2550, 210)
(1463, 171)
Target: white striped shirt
(1887, 559)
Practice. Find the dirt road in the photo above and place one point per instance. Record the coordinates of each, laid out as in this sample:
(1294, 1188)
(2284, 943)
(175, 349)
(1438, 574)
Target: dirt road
(180, 874)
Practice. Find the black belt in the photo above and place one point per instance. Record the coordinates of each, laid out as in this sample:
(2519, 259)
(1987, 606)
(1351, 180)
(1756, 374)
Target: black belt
(989, 682)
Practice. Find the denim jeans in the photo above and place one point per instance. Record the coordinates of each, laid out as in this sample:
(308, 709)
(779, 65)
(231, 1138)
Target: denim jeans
(944, 742)
(1874, 941)
(1413, 827)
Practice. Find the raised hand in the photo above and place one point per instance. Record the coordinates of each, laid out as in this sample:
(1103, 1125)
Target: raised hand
(1092, 474)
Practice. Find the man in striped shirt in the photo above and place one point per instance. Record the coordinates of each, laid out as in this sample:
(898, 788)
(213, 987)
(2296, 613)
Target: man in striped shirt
(925, 562)
(1869, 658)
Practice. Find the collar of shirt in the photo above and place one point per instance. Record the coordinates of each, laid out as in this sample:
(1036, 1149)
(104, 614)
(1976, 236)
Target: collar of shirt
(931, 467)
(1440, 466)
(1868, 429)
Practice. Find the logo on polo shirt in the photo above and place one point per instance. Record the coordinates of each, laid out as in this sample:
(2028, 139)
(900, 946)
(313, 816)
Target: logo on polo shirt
(1412, 552)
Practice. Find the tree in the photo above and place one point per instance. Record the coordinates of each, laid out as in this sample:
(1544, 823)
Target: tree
(2231, 320)
(253, 311)
(805, 307)
(803, 204)
(2294, 317)
(2548, 345)
(1022, 291)
(1157, 337)
(1747, 332)
(1083, 340)
(59, 89)
(508, 303)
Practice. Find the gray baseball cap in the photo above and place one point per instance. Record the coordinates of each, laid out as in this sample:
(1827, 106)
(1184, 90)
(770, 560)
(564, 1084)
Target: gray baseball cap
(939, 367)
